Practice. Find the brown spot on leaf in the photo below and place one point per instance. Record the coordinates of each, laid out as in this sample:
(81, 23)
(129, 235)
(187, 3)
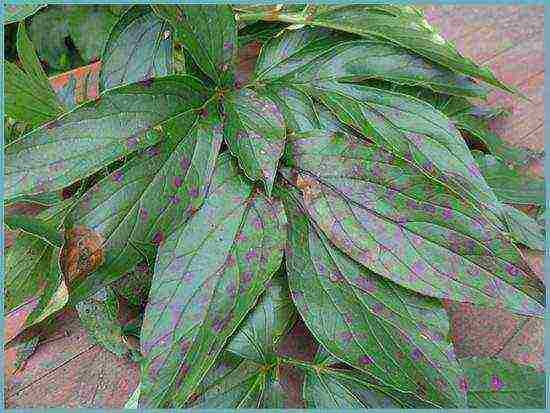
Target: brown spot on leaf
(82, 253)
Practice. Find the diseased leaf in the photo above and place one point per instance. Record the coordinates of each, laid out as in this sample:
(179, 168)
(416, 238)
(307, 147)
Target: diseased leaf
(270, 320)
(17, 12)
(132, 402)
(119, 122)
(403, 226)
(25, 350)
(150, 196)
(368, 322)
(329, 386)
(317, 55)
(404, 26)
(415, 131)
(524, 229)
(77, 86)
(29, 96)
(209, 33)
(255, 134)
(134, 286)
(508, 184)
(297, 108)
(208, 275)
(494, 382)
(139, 47)
(252, 380)
(99, 317)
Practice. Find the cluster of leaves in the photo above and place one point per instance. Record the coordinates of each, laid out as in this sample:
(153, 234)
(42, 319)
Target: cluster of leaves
(351, 181)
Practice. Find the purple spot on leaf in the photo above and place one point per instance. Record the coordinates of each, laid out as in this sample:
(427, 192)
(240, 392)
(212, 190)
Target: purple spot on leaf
(366, 360)
(496, 383)
(178, 181)
(158, 238)
(118, 176)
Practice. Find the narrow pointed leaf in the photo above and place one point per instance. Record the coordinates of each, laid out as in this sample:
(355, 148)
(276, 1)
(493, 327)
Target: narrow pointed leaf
(208, 33)
(150, 196)
(255, 133)
(139, 47)
(310, 55)
(35, 226)
(508, 184)
(497, 383)
(368, 322)
(403, 26)
(208, 275)
(262, 330)
(403, 226)
(58, 154)
(249, 379)
(29, 96)
(334, 387)
(415, 131)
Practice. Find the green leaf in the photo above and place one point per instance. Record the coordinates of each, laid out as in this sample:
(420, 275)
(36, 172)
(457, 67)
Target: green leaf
(139, 47)
(525, 229)
(328, 386)
(17, 12)
(29, 96)
(395, 336)
(415, 131)
(271, 319)
(134, 286)
(406, 227)
(239, 383)
(99, 317)
(209, 274)
(313, 55)
(37, 227)
(508, 184)
(89, 28)
(119, 122)
(255, 134)
(250, 380)
(497, 383)
(403, 26)
(209, 33)
(150, 196)
(132, 402)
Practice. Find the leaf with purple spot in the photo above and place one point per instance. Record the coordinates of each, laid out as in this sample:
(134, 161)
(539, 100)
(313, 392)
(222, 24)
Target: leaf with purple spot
(384, 214)
(198, 296)
(499, 383)
(390, 333)
(255, 134)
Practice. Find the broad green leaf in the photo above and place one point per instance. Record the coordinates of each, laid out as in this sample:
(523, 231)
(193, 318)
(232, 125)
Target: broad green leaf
(524, 229)
(255, 134)
(406, 227)
(55, 294)
(239, 383)
(139, 47)
(258, 32)
(17, 12)
(250, 380)
(26, 262)
(117, 123)
(270, 320)
(89, 28)
(327, 386)
(99, 317)
(29, 96)
(209, 33)
(509, 185)
(403, 26)
(497, 383)
(392, 334)
(415, 131)
(151, 195)
(208, 275)
(313, 55)
(37, 227)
